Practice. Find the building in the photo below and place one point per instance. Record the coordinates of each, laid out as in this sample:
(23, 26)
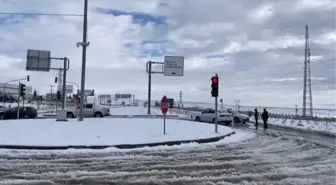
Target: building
(13, 89)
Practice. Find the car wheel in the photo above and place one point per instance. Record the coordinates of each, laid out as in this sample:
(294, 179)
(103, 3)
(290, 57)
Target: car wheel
(236, 120)
(213, 120)
(198, 119)
(26, 116)
(98, 114)
(2, 117)
(70, 115)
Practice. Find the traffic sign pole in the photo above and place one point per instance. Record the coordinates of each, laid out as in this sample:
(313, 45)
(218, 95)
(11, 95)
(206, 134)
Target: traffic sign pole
(173, 66)
(149, 87)
(164, 109)
(164, 124)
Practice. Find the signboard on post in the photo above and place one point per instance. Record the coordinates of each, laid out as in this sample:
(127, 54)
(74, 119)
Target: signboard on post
(38, 60)
(173, 66)
(164, 109)
(68, 89)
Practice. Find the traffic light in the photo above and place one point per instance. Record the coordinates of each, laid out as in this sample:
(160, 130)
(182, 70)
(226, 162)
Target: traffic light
(214, 86)
(27, 78)
(35, 94)
(22, 89)
(58, 95)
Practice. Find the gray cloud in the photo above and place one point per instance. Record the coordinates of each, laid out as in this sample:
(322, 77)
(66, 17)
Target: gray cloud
(253, 55)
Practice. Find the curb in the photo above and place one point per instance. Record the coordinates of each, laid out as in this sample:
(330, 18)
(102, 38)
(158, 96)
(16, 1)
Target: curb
(45, 116)
(119, 146)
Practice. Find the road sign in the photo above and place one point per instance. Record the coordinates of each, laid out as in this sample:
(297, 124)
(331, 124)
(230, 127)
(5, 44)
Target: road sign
(173, 66)
(68, 89)
(38, 60)
(164, 105)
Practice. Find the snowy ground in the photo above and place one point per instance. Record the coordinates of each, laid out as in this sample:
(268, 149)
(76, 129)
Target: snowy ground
(140, 110)
(322, 126)
(260, 160)
(103, 131)
(133, 111)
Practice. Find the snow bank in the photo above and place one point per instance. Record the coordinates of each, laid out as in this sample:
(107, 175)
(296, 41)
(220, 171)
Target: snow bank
(307, 125)
(102, 131)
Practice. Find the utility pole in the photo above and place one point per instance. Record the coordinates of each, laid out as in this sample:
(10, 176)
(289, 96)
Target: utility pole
(237, 105)
(51, 97)
(84, 44)
(307, 96)
(180, 101)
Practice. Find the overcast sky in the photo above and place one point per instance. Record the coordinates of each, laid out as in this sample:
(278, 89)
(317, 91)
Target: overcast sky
(255, 46)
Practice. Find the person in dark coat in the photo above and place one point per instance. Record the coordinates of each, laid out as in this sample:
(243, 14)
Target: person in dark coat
(256, 116)
(264, 117)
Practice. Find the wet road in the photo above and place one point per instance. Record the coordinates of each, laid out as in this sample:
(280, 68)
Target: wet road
(265, 159)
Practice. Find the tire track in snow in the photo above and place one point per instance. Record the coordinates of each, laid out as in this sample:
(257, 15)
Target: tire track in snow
(265, 159)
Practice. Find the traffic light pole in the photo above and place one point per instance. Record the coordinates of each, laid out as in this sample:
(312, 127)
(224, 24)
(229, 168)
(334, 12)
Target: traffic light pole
(216, 112)
(18, 107)
(4, 87)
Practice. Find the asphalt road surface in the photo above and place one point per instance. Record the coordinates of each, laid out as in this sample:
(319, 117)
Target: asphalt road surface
(271, 158)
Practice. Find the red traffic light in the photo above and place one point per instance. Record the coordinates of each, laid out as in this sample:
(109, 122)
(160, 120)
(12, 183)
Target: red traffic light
(214, 79)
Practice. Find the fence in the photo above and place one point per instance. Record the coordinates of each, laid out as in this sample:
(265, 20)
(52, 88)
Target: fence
(274, 110)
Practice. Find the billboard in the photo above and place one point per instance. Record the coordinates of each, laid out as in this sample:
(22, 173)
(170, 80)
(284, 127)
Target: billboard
(105, 96)
(122, 96)
(87, 92)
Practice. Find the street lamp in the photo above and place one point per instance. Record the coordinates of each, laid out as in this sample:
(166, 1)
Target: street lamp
(74, 84)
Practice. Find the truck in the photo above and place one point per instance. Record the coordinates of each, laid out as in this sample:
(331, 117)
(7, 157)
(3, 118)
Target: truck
(90, 110)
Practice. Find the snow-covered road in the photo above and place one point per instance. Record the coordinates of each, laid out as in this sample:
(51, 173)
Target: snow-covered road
(265, 159)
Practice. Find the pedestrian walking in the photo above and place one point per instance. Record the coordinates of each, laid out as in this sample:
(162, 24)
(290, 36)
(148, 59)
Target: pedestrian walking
(256, 116)
(264, 117)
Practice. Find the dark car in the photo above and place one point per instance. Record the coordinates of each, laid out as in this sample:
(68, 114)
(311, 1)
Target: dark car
(25, 112)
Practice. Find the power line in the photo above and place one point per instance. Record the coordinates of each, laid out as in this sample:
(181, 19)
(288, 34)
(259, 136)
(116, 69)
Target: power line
(41, 14)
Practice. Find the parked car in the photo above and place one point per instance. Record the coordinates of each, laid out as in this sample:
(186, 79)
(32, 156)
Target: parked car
(24, 112)
(2, 108)
(208, 115)
(239, 117)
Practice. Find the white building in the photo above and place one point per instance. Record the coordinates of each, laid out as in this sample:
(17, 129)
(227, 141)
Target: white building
(13, 89)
